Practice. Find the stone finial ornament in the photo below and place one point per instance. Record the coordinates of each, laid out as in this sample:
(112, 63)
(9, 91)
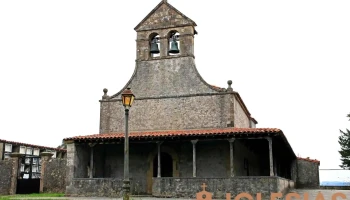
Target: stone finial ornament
(105, 96)
(229, 88)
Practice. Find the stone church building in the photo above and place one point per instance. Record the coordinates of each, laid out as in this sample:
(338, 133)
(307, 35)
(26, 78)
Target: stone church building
(201, 133)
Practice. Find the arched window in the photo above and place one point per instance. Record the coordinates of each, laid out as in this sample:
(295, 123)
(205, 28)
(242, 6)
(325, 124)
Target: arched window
(174, 44)
(154, 47)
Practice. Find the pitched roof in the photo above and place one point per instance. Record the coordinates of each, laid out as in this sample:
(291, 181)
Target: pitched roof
(309, 160)
(190, 22)
(32, 145)
(182, 133)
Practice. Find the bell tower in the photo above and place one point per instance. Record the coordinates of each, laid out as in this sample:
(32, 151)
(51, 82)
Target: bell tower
(165, 63)
(165, 33)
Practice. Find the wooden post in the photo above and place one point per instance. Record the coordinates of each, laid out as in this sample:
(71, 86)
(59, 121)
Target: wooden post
(270, 156)
(231, 157)
(194, 142)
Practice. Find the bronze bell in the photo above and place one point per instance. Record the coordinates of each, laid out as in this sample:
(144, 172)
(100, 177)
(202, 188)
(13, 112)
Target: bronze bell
(173, 47)
(154, 47)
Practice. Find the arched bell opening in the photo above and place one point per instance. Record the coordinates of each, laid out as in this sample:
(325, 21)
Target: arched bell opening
(174, 43)
(154, 41)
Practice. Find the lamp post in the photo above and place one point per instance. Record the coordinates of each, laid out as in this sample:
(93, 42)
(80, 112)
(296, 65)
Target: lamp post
(127, 99)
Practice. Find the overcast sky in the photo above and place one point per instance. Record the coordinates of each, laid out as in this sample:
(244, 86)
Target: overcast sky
(289, 60)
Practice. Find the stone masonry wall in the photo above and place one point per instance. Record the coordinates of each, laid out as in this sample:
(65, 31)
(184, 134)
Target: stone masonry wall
(241, 119)
(5, 176)
(188, 187)
(167, 77)
(307, 174)
(54, 176)
(195, 112)
(164, 17)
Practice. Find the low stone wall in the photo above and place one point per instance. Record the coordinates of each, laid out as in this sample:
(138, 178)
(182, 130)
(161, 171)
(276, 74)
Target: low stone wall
(284, 185)
(5, 176)
(96, 187)
(103, 187)
(53, 176)
(188, 187)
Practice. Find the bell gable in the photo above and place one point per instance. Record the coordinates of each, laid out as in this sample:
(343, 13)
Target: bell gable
(164, 15)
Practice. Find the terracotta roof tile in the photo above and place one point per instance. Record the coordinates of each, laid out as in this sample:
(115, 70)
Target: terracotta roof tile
(32, 145)
(309, 160)
(179, 133)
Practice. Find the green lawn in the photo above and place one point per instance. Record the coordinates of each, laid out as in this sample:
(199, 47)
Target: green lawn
(41, 195)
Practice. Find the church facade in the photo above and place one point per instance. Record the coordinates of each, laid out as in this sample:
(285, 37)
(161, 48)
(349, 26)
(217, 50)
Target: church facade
(183, 131)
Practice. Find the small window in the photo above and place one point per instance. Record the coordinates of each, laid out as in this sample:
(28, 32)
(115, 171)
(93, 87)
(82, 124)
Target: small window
(22, 149)
(29, 151)
(8, 147)
(36, 152)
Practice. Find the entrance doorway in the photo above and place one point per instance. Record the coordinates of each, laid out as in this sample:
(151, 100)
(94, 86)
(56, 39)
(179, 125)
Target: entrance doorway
(166, 163)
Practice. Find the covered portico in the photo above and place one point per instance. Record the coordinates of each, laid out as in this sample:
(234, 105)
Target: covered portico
(176, 163)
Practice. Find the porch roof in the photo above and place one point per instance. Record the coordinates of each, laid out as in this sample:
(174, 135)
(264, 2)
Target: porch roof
(253, 132)
(223, 133)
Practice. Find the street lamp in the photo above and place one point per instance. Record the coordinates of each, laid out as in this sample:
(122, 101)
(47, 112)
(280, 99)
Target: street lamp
(127, 99)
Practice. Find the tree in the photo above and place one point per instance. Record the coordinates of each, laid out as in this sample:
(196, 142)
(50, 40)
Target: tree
(344, 141)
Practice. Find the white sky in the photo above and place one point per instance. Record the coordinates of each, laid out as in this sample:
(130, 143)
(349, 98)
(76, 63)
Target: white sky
(289, 60)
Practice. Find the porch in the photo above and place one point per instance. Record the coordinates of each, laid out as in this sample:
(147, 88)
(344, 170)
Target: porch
(176, 167)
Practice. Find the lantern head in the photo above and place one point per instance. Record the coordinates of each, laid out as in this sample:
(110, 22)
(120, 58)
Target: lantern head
(127, 98)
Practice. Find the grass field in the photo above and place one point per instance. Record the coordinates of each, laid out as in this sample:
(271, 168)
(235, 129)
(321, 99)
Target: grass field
(41, 195)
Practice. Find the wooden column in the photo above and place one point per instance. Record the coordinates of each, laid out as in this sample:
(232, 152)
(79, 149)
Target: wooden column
(270, 156)
(159, 155)
(91, 160)
(194, 142)
(232, 174)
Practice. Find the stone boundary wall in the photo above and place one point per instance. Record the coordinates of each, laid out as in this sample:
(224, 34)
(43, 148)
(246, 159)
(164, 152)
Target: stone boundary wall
(53, 176)
(6, 167)
(188, 187)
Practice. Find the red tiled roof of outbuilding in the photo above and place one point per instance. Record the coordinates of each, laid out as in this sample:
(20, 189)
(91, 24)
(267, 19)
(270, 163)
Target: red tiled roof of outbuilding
(32, 145)
(309, 160)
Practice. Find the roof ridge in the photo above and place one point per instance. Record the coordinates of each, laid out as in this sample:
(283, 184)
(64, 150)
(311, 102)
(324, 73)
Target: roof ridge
(158, 6)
